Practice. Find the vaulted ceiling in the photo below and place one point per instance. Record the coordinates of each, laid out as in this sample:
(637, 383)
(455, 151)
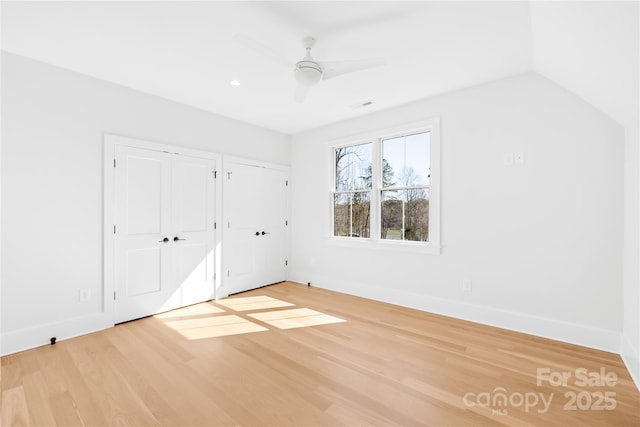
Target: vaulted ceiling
(189, 52)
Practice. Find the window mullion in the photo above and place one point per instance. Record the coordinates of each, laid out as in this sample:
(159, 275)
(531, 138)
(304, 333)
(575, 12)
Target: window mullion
(376, 185)
(404, 217)
(351, 214)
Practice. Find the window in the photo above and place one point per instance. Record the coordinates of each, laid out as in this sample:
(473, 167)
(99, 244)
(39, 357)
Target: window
(352, 196)
(384, 191)
(406, 172)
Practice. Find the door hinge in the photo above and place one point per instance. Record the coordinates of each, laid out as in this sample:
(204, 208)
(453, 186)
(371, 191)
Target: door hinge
(228, 273)
(229, 175)
(286, 262)
(114, 229)
(215, 225)
(114, 295)
(286, 222)
(286, 183)
(114, 163)
(215, 174)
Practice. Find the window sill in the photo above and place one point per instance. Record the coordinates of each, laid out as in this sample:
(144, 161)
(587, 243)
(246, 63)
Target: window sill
(382, 245)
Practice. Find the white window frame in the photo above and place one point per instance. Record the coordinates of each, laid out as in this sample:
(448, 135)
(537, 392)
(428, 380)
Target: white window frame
(375, 241)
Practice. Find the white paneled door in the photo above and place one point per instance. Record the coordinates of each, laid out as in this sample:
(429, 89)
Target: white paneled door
(164, 231)
(193, 227)
(255, 235)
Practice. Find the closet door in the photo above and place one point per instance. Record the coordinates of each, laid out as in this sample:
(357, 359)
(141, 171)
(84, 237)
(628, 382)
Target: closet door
(192, 228)
(143, 276)
(165, 231)
(271, 221)
(255, 233)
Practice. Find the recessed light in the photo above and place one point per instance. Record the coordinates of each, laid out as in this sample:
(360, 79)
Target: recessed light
(235, 83)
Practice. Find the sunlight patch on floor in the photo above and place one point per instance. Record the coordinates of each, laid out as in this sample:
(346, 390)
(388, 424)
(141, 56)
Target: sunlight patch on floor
(296, 318)
(216, 326)
(192, 310)
(253, 303)
(206, 320)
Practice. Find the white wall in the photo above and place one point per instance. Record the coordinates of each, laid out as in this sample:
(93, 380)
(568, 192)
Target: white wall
(52, 178)
(630, 345)
(542, 243)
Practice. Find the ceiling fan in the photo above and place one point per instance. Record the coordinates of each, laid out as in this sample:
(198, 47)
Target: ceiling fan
(308, 72)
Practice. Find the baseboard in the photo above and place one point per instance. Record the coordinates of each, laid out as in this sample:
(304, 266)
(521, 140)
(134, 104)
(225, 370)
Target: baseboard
(601, 339)
(28, 338)
(631, 358)
(573, 333)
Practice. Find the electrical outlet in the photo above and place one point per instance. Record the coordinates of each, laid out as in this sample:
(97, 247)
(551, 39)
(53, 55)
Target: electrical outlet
(84, 295)
(507, 159)
(466, 285)
(518, 158)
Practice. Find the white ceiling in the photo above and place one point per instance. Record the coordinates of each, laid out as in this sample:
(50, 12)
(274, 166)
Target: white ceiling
(190, 51)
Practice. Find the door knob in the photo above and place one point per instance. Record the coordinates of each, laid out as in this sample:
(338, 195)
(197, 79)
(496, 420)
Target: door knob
(264, 232)
(165, 240)
(175, 239)
(257, 233)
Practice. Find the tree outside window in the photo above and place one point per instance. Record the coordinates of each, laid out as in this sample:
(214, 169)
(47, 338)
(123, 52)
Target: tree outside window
(352, 196)
(405, 200)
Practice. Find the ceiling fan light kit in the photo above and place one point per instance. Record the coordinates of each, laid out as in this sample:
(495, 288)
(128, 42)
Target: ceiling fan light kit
(307, 73)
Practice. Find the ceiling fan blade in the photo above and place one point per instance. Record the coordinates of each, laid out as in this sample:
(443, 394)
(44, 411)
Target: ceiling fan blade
(263, 50)
(331, 69)
(300, 93)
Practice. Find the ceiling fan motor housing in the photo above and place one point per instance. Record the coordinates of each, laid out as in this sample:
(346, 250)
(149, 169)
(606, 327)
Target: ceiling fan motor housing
(308, 73)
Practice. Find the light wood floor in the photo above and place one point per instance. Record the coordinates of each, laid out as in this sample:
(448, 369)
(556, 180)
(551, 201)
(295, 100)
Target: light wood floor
(327, 359)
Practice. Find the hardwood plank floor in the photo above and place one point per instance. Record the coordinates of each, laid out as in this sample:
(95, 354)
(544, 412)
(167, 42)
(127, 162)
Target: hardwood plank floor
(323, 359)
